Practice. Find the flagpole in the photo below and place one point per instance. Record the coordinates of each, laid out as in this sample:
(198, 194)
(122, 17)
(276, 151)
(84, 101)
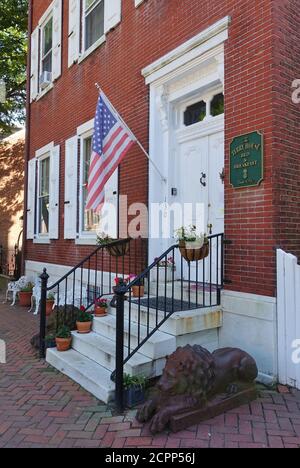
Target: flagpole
(163, 178)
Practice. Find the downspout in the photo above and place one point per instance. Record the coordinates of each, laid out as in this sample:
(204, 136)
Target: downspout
(27, 141)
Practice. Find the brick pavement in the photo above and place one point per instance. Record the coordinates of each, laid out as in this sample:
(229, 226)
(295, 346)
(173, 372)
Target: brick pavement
(42, 408)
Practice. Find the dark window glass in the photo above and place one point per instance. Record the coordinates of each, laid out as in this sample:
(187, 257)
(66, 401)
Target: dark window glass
(94, 22)
(217, 105)
(195, 113)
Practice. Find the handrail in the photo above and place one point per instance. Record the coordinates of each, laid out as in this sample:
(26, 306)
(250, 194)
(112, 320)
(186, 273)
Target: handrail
(208, 285)
(86, 259)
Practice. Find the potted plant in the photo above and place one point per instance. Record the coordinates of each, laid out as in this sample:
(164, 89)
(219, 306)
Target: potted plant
(25, 295)
(138, 290)
(193, 246)
(134, 390)
(84, 321)
(101, 307)
(166, 268)
(63, 339)
(119, 249)
(50, 304)
(50, 341)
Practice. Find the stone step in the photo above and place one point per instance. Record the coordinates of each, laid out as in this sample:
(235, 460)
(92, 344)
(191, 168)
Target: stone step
(185, 292)
(87, 373)
(158, 346)
(180, 323)
(103, 351)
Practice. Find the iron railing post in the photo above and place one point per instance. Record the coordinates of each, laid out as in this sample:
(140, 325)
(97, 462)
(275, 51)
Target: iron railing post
(119, 379)
(44, 277)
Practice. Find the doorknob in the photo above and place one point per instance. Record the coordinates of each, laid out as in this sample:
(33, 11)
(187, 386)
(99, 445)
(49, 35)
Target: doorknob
(203, 179)
(210, 226)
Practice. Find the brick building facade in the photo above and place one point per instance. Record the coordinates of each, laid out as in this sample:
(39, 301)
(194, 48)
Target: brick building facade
(12, 153)
(154, 59)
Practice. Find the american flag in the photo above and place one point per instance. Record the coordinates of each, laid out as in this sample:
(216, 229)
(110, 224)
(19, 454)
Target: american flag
(111, 142)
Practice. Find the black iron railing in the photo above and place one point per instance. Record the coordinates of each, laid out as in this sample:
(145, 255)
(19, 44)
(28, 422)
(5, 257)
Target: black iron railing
(10, 262)
(165, 287)
(91, 279)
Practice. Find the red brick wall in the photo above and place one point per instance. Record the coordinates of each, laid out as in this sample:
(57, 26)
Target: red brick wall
(286, 137)
(145, 34)
(11, 189)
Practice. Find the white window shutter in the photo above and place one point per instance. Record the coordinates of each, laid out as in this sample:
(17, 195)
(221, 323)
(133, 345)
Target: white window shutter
(112, 14)
(34, 67)
(31, 198)
(74, 31)
(54, 193)
(71, 182)
(109, 221)
(57, 39)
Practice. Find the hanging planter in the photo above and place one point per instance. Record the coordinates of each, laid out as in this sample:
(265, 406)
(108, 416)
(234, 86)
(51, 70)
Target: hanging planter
(115, 247)
(193, 247)
(192, 252)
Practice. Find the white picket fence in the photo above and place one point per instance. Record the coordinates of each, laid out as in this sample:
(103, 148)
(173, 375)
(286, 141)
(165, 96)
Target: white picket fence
(288, 311)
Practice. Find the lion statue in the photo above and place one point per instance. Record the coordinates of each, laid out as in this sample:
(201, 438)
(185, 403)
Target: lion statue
(191, 378)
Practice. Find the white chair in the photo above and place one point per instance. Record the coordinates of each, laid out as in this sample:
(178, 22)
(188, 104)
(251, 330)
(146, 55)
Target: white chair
(15, 287)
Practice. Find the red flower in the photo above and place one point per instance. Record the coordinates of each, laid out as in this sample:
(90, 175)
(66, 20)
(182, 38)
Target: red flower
(82, 309)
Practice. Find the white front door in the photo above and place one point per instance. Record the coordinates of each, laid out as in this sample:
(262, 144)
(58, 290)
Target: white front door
(200, 169)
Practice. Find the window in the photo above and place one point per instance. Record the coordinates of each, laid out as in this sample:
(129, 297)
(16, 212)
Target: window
(47, 46)
(90, 220)
(195, 113)
(43, 196)
(217, 105)
(93, 22)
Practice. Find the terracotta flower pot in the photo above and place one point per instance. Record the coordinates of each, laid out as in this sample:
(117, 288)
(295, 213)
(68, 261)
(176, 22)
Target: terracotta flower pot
(193, 255)
(63, 344)
(49, 308)
(100, 311)
(138, 291)
(25, 299)
(84, 328)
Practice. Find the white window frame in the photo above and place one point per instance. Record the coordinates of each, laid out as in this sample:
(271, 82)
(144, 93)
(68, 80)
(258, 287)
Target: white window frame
(86, 52)
(42, 27)
(90, 236)
(41, 155)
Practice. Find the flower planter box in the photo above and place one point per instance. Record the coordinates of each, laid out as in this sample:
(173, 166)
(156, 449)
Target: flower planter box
(163, 276)
(100, 312)
(134, 396)
(138, 291)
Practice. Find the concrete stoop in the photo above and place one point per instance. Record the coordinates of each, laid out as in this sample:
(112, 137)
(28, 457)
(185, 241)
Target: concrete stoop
(91, 360)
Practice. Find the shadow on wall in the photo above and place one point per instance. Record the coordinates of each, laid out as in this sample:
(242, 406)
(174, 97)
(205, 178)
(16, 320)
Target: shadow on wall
(12, 152)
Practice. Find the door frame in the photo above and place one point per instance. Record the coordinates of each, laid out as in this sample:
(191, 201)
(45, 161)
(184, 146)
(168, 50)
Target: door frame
(184, 84)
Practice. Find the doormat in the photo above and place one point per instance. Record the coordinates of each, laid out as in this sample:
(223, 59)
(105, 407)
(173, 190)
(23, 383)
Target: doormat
(167, 304)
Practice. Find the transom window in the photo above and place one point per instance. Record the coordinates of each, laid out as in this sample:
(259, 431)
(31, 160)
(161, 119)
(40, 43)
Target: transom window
(47, 46)
(211, 107)
(217, 105)
(43, 196)
(195, 113)
(93, 21)
(90, 220)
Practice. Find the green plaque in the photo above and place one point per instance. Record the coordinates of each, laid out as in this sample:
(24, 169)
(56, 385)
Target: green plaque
(247, 160)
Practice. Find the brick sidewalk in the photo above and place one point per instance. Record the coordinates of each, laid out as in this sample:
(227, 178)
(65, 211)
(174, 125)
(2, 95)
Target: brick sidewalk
(42, 408)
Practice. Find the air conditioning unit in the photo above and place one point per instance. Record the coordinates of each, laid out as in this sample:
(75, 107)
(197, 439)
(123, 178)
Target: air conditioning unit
(45, 79)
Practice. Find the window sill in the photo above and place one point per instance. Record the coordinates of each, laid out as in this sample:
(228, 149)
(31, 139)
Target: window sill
(45, 91)
(92, 49)
(41, 240)
(86, 241)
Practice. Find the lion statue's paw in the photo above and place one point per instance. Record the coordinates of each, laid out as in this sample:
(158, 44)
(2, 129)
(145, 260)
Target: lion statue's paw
(146, 411)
